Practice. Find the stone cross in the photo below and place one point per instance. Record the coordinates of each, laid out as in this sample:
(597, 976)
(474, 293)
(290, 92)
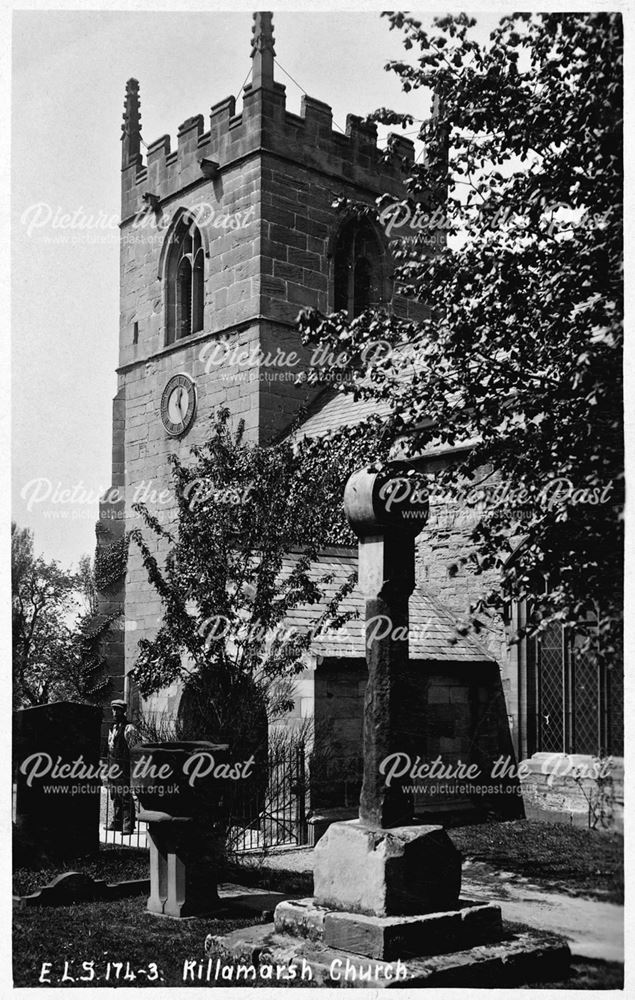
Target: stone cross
(386, 510)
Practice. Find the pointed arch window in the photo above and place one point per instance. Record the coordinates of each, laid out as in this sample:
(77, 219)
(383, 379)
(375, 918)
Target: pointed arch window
(185, 283)
(357, 268)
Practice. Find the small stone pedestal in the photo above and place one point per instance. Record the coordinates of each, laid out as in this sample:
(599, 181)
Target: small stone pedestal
(183, 866)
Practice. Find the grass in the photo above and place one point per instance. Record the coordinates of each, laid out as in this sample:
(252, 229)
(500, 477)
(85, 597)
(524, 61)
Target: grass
(574, 860)
(114, 865)
(120, 863)
(123, 932)
(118, 931)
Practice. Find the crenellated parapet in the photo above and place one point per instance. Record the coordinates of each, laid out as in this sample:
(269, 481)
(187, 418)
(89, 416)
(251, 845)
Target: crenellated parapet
(263, 126)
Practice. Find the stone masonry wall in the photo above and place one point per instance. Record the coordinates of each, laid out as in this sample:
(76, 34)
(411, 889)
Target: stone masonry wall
(442, 565)
(439, 567)
(460, 717)
(261, 185)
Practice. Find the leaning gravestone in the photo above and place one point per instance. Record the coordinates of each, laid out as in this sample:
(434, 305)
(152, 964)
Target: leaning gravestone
(56, 760)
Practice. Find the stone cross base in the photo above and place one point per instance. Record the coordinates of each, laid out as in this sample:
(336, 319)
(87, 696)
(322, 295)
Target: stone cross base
(183, 871)
(384, 873)
(391, 938)
(387, 913)
(264, 956)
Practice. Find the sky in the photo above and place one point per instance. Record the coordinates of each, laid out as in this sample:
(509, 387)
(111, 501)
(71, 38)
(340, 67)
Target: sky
(69, 73)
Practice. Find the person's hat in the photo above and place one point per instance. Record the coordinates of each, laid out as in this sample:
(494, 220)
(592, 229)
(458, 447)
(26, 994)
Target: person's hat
(118, 703)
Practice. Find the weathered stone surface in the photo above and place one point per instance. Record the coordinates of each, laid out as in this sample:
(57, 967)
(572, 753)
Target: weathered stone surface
(561, 788)
(400, 937)
(183, 868)
(76, 887)
(518, 959)
(479, 921)
(300, 918)
(389, 938)
(386, 578)
(405, 870)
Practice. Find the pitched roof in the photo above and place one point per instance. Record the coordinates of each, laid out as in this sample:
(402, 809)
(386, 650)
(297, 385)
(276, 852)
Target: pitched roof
(335, 409)
(433, 633)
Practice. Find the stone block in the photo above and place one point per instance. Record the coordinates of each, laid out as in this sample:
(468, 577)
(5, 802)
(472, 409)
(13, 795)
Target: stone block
(392, 937)
(518, 959)
(438, 695)
(300, 295)
(480, 922)
(300, 918)
(287, 272)
(404, 870)
(304, 259)
(459, 695)
(313, 279)
(387, 938)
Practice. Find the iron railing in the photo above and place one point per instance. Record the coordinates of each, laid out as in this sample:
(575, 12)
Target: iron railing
(275, 817)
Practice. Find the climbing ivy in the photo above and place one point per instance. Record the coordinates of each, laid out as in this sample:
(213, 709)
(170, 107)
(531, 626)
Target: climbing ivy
(111, 561)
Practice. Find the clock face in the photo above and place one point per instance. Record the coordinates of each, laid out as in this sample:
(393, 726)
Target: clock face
(178, 404)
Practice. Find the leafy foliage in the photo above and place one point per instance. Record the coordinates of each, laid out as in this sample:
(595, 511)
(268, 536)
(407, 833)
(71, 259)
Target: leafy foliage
(249, 523)
(86, 665)
(55, 644)
(520, 351)
(111, 560)
(42, 597)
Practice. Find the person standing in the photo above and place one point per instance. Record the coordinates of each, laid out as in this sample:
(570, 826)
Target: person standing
(121, 739)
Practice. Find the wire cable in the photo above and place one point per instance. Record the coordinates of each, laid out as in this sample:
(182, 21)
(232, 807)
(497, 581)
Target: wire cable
(246, 78)
(303, 91)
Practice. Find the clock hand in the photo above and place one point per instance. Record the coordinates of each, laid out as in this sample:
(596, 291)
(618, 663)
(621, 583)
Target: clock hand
(175, 406)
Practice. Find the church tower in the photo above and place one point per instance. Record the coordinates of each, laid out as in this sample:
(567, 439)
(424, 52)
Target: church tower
(224, 239)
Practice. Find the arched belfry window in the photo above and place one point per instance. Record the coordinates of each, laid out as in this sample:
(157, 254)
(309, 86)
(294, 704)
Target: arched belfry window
(185, 282)
(357, 268)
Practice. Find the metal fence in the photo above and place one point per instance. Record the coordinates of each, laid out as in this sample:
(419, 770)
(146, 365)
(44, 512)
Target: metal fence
(116, 838)
(276, 816)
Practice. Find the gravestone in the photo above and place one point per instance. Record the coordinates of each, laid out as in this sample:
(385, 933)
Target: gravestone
(57, 805)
